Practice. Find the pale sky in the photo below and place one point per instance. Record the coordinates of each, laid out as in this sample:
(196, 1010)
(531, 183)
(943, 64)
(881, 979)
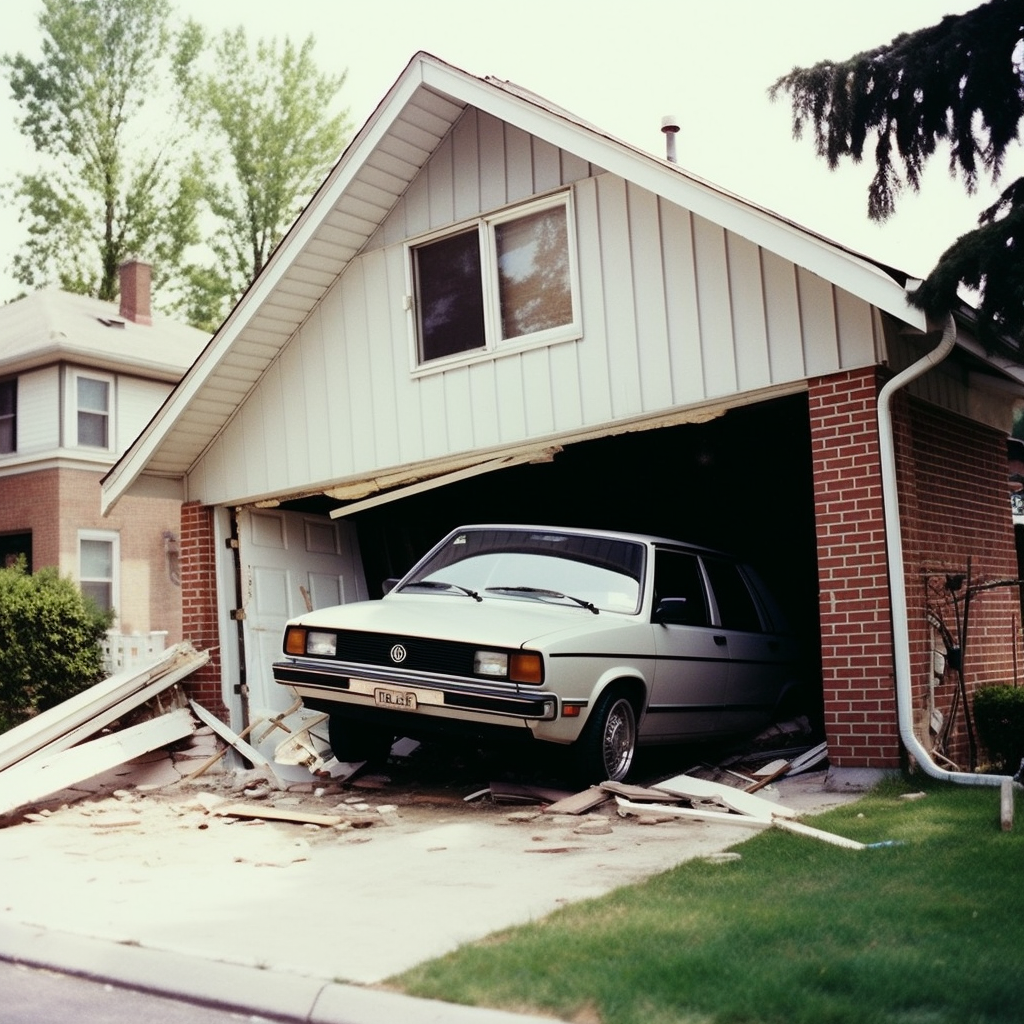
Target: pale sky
(621, 66)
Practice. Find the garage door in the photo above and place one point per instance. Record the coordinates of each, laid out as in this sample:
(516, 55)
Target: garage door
(290, 562)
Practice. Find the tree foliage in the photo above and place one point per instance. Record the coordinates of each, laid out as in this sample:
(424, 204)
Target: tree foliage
(49, 642)
(267, 103)
(112, 184)
(959, 85)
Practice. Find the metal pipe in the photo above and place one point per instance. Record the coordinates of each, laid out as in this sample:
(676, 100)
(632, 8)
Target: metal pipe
(897, 578)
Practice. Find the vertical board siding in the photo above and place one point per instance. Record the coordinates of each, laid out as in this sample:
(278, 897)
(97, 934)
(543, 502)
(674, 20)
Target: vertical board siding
(675, 310)
(39, 408)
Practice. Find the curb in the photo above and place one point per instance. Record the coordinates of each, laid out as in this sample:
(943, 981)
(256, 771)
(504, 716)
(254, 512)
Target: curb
(287, 997)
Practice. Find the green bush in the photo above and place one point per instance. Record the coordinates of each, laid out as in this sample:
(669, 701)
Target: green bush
(49, 642)
(999, 715)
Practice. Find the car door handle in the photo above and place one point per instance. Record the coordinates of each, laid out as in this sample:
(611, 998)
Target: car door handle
(720, 640)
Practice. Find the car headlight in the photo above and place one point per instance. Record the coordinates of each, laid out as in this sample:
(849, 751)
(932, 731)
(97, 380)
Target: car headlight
(517, 667)
(299, 641)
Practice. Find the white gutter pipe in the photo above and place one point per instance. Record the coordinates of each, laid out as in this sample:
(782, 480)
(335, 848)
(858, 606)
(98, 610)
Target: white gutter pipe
(897, 579)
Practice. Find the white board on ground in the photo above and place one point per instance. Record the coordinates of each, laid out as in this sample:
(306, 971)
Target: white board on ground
(733, 798)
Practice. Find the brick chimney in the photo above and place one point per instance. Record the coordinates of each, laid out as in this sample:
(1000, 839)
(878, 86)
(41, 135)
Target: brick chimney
(136, 277)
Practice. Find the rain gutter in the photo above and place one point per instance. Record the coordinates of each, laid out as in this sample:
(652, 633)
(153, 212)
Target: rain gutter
(897, 578)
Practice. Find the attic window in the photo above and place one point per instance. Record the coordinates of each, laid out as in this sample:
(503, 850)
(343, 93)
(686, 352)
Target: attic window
(502, 281)
(110, 321)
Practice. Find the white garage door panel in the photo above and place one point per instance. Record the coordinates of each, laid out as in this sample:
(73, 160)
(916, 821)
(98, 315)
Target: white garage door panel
(286, 559)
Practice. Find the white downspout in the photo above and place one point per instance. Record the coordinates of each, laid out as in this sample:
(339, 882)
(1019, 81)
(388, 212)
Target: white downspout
(897, 579)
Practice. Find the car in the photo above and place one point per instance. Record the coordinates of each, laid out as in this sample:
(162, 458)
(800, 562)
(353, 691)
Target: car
(596, 641)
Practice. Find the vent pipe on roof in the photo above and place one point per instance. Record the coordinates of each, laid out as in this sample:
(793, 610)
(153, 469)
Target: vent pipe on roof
(136, 278)
(670, 128)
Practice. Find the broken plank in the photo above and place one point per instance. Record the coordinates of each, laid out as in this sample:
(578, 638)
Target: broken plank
(816, 833)
(735, 799)
(783, 768)
(579, 803)
(249, 752)
(691, 813)
(514, 792)
(92, 710)
(808, 760)
(37, 778)
(1006, 804)
(640, 793)
(268, 813)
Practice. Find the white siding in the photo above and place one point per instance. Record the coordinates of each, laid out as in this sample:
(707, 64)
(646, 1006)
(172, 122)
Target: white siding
(137, 400)
(676, 311)
(38, 411)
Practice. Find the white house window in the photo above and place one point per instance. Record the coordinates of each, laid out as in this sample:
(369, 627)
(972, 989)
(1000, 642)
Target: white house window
(508, 279)
(98, 567)
(92, 395)
(8, 416)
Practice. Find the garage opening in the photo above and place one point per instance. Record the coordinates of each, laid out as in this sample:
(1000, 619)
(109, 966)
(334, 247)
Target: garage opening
(741, 483)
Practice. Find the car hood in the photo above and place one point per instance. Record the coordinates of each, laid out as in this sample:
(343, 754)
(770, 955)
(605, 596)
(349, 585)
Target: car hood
(495, 622)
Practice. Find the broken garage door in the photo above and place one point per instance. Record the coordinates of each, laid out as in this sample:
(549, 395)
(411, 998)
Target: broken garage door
(290, 562)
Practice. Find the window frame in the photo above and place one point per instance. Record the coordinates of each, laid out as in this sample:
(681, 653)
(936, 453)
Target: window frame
(485, 227)
(76, 409)
(12, 416)
(113, 538)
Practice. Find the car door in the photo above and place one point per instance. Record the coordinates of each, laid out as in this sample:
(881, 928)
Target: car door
(756, 656)
(692, 668)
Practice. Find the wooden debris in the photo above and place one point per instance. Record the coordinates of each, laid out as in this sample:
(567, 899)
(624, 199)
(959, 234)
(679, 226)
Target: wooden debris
(39, 776)
(517, 793)
(1006, 804)
(267, 813)
(249, 752)
(92, 710)
(778, 769)
(811, 759)
(641, 793)
(692, 813)
(817, 833)
(579, 803)
(733, 798)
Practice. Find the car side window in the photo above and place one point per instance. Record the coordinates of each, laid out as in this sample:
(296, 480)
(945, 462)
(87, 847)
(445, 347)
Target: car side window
(736, 606)
(677, 575)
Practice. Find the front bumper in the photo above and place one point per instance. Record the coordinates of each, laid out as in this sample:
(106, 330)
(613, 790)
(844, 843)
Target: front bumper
(414, 695)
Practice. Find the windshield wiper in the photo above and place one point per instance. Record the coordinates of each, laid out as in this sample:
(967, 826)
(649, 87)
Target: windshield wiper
(441, 585)
(539, 592)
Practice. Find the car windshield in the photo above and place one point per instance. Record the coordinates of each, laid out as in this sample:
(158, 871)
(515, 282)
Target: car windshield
(536, 565)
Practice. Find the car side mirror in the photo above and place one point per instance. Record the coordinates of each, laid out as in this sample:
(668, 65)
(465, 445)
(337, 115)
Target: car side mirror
(672, 611)
(389, 584)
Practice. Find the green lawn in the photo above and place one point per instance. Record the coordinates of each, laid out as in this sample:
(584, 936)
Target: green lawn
(927, 931)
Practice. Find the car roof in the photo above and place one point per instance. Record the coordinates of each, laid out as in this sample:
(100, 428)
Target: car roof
(640, 538)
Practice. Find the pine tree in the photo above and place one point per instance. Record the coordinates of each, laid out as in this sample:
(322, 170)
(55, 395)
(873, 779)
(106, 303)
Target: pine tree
(957, 84)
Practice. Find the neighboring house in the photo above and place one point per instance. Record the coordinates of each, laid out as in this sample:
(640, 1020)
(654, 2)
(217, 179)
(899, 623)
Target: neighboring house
(79, 379)
(493, 311)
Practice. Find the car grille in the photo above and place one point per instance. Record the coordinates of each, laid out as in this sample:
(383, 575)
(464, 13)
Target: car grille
(422, 655)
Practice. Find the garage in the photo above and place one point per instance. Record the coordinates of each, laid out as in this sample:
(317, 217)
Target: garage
(680, 363)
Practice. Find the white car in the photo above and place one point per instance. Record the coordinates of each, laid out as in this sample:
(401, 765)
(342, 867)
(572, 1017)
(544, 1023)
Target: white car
(593, 640)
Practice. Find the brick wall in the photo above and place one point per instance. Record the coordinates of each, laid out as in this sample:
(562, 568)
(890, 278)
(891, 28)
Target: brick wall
(954, 505)
(853, 589)
(199, 604)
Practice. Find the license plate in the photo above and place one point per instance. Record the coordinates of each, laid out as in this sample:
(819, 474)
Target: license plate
(404, 700)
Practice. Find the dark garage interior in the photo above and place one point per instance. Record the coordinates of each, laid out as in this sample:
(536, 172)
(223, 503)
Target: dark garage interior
(741, 483)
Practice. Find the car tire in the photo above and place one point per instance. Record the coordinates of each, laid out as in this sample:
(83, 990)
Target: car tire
(353, 741)
(605, 750)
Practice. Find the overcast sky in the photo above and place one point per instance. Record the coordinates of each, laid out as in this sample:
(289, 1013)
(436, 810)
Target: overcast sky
(621, 66)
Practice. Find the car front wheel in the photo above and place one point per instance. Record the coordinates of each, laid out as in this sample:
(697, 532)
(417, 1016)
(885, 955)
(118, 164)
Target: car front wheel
(605, 750)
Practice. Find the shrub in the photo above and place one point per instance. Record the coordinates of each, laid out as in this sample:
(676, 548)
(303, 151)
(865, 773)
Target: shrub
(49, 642)
(999, 715)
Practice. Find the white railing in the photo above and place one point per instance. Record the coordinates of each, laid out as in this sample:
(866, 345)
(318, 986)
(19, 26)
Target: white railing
(129, 650)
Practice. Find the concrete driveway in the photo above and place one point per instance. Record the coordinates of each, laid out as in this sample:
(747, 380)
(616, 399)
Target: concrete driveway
(408, 874)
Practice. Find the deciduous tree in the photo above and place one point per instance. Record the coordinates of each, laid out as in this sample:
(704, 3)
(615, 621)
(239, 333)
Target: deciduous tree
(101, 108)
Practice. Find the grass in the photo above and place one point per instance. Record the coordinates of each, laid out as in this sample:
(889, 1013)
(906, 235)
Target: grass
(927, 931)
